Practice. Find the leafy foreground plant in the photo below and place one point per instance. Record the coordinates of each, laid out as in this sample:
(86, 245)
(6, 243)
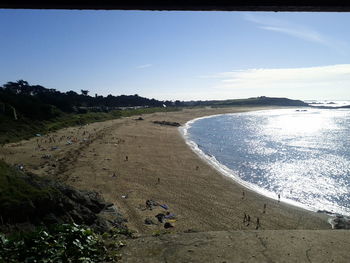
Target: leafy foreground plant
(59, 243)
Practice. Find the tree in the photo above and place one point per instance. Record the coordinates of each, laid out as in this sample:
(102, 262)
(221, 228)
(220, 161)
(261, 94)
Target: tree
(84, 92)
(17, 87)
(22, 83)
(178, 103)
(71, 93)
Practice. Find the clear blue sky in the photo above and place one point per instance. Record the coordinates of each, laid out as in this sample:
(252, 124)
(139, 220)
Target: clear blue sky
(179, 55)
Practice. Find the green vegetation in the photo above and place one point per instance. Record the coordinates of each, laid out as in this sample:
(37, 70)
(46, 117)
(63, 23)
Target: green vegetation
(58, 243)
(17, 196)
(116, 233)
(37, 102)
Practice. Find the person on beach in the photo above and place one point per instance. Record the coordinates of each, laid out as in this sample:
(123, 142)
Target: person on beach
(279, 197)
(257, 223)
(158, 182)
(264, 209)
(245, 218)
(126, 158)
(243, 195)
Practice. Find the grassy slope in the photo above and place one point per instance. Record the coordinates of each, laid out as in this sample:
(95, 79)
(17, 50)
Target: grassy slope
(16, 193)
(15, 130)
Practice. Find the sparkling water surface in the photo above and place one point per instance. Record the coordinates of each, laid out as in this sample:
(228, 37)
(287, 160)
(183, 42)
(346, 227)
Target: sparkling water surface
(303, 155)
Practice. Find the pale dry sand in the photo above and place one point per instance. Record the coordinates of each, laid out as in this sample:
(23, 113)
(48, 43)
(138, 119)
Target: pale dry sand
(202, 198)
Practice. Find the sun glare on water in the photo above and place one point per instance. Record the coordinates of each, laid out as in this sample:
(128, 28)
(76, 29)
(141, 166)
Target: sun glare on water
(302, 154)
(299, 123)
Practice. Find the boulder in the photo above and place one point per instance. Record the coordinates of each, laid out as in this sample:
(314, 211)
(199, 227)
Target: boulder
(340, 222)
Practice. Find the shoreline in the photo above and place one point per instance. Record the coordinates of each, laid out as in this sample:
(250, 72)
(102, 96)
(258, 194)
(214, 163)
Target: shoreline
(227, 172)
(202, 199)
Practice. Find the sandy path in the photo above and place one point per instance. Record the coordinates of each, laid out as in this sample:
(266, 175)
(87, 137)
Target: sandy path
(202, 199)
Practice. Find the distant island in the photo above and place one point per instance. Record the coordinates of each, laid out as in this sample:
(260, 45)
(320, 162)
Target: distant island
(255, 101)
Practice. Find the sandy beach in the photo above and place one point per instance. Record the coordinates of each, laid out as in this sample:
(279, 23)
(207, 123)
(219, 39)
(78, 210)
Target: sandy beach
(130, 161)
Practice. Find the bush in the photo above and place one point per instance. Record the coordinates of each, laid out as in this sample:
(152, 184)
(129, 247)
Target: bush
(59, 243)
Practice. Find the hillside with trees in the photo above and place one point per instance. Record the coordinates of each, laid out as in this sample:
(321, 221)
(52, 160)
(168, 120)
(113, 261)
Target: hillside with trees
(26, 110)
(37, 102)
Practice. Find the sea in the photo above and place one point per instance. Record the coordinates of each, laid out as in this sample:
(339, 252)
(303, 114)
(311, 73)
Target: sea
(302, 154)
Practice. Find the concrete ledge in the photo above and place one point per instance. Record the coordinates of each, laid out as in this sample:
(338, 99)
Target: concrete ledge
(242, 246)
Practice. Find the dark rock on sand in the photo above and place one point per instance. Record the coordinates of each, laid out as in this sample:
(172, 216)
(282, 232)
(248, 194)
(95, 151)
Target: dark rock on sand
(149, 221)
(169, 123)
(325, 212)
(168, 225)
(150, 204)
(340, 222)
(160, 217)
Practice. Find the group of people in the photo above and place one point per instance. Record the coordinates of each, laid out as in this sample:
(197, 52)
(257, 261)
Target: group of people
(246, 221)
(49, 139)
(246, 218)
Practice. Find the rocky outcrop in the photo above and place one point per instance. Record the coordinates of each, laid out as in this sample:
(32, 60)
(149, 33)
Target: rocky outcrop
(42, 201)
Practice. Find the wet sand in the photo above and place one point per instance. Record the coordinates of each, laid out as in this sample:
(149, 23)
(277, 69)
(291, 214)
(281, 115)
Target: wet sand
(201, 198)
